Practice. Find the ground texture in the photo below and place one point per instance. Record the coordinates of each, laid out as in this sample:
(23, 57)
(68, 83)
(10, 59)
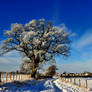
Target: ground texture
(48, 85)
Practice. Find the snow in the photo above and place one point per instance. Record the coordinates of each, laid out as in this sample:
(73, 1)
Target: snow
(28, 35)
(45, 85)
(32, 86)
(66, 87)
(83, 82)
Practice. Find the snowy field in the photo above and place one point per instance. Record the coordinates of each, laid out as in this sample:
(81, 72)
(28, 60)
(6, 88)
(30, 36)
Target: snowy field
(83, 82)
(47, 85)
(70, 87)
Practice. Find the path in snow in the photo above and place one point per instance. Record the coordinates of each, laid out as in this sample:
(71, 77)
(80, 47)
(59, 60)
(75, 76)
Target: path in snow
(48, 85)
(32, 86)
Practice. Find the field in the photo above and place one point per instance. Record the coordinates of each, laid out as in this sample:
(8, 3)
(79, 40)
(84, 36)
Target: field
(47, 85)
(74, 86)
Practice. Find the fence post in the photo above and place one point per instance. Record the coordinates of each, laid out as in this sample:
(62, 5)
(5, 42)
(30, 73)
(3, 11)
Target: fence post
(68, 80)
(74, 81)
(79, 83)
(10, 75)
(86, 84)
(19, 76)
(65, 80)
(13, 76)
(71, 80)
(0, 78)
(62, 79)
(16, 76)
(6, 77)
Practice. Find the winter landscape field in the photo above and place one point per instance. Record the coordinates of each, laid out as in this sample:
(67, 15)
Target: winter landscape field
(45, 45)
(47, 85)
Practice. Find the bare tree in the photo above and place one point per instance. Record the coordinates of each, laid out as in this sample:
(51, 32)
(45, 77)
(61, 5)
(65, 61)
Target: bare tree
(38, 40)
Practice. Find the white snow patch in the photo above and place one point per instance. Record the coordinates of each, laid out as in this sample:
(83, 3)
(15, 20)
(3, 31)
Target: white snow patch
(47, 85)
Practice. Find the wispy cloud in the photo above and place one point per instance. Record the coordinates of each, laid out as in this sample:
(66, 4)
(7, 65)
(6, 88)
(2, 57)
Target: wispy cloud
(73, 34)
(63, 27)
(83, 41)
(81, 59)
(76, 67)
(11, 61)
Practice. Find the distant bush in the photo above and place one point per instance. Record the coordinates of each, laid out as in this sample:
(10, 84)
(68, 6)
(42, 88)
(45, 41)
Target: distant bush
(51, 71)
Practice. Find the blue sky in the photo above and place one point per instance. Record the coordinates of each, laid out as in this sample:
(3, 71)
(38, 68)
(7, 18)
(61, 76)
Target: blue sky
(75, 14)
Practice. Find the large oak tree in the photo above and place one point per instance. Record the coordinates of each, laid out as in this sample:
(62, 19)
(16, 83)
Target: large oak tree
(38, 40)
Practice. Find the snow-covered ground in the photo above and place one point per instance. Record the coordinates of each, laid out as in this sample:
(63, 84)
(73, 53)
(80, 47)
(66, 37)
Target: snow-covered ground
(47, 85)
(69, 87)
(31, 86)
(83, 82)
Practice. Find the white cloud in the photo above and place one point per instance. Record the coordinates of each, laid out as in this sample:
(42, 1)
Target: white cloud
(76, 67)
(83, 52)
(83, 41)
(11, 61)
(10, 57)
(63, 27)
(73, 34)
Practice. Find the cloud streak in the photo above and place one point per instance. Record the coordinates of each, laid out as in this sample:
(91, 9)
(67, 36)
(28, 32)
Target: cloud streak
(82, 42)
(10, 62)
(76, 67)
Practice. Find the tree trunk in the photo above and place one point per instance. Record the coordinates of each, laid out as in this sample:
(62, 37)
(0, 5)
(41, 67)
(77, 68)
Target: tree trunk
(35, 65)
(34, 71)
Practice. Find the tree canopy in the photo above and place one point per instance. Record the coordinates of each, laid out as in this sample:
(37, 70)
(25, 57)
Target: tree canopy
(38, 40)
